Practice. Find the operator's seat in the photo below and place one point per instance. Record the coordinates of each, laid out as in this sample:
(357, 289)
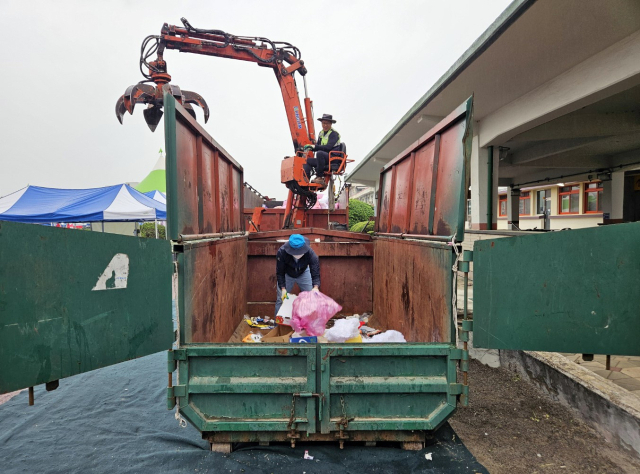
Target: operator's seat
(338, 159)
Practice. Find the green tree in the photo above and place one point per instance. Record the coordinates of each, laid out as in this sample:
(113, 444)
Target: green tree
(359, 211)
(360, 227)
(148, 231)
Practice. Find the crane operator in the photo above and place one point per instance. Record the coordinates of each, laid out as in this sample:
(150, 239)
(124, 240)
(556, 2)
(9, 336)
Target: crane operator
(328, 140)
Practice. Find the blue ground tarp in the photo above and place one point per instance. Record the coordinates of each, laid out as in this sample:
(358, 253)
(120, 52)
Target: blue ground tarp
(121, 202)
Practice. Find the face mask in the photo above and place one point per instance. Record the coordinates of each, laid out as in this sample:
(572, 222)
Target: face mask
(297, 257)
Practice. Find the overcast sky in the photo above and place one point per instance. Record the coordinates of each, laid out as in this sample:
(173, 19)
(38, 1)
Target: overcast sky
(64, 64)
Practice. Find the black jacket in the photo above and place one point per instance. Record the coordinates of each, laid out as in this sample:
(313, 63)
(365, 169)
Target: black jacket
(285, 263)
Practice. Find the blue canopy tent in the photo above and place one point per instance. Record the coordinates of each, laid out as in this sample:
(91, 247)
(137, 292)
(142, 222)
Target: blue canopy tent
(118, 203)
(157, 195)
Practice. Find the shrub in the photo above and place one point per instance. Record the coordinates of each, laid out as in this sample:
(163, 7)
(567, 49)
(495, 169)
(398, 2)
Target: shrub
(359, 211)
(148, 230)
(360, 227)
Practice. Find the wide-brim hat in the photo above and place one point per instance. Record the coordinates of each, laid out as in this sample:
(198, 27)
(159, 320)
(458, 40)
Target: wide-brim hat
(297, 245)
(327, 117)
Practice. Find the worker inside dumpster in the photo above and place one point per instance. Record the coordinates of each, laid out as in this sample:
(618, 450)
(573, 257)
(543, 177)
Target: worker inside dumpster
(297, 263)
(328, 141)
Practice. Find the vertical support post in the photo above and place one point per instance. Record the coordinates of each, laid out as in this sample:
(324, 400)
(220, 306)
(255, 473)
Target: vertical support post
(156, 222)
(31, 397)
(513, 209)
(490, 188)
(467, 325)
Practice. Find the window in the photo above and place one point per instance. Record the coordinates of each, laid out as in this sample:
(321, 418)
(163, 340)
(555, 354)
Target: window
(469, 209)
(525, 203)
(570, 199)
(592, 197)
(543, 199)
(502, 205)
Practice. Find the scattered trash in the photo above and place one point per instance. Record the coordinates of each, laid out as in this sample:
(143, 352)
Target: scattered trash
(311, 311)
(260, 322)
(387, 336)
(342, 330)
(539, 455)
(252, 338)
(303, 338)
(428, 457)
(307, 455)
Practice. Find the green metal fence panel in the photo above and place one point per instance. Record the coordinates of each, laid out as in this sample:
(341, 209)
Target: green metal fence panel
(248, 387)
(571, 291)
(73, 301)
(386, 386)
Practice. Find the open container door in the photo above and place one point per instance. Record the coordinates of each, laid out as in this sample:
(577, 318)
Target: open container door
(570, 291)
(73, 301)
(398, 391)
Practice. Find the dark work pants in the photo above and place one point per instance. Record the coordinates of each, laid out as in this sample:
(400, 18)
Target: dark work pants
(319, 163)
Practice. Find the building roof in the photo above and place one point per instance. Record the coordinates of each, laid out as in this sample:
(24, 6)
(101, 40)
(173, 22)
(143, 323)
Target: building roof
(530, 43)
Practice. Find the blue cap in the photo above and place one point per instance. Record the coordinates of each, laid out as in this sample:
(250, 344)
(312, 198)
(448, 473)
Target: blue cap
(296, 241)
(297, 245)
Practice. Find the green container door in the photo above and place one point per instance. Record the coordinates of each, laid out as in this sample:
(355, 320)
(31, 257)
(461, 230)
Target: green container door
(72, 301)
(571, 291)
(387, 387)
(247, 387)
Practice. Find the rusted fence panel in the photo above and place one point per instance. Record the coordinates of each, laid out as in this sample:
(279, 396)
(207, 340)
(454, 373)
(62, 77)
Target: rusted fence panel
(273, 219)
(413, 288)
(204, 183)
(213, 276)
(346, 269)
(422, 191)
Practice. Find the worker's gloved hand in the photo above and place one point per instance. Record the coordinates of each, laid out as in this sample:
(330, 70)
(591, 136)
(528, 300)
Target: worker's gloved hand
(315, 289)
(284, 294)
(308, 147)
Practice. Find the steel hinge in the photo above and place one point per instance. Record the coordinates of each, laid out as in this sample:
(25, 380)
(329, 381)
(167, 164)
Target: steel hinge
(467, 325)
(177, 391)
(177, 354)
(456, 354)
(467, 256)
(455, 388)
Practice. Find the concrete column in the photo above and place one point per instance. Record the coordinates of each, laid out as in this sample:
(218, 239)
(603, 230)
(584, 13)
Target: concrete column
(513, 209)
(613, 198)
(479, 192)
(496, 167)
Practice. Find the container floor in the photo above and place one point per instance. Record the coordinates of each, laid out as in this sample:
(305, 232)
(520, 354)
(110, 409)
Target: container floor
(114, 420)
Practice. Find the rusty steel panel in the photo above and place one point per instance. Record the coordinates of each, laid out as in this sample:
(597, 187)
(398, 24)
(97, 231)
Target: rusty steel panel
(273, 219)
(312, 233)
(411, 201)
(204, 183)
(212, 298)
(423, 172)
(413, 288)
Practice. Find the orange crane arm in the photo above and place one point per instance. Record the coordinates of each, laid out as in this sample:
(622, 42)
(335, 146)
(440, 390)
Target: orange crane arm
(283, 60)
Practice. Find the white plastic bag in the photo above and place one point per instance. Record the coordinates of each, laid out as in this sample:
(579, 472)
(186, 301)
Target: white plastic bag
(343, 329)
(387, 336)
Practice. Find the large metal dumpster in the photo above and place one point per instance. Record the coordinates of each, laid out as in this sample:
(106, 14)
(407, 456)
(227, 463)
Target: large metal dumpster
(365, 392)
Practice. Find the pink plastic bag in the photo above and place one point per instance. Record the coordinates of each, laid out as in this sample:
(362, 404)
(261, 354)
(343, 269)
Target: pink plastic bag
(311, 311)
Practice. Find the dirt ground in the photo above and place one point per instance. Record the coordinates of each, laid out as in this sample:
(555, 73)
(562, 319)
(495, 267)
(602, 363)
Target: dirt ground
(512, 427)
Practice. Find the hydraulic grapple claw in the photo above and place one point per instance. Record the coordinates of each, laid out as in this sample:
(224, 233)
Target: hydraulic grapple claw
(193, 98)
